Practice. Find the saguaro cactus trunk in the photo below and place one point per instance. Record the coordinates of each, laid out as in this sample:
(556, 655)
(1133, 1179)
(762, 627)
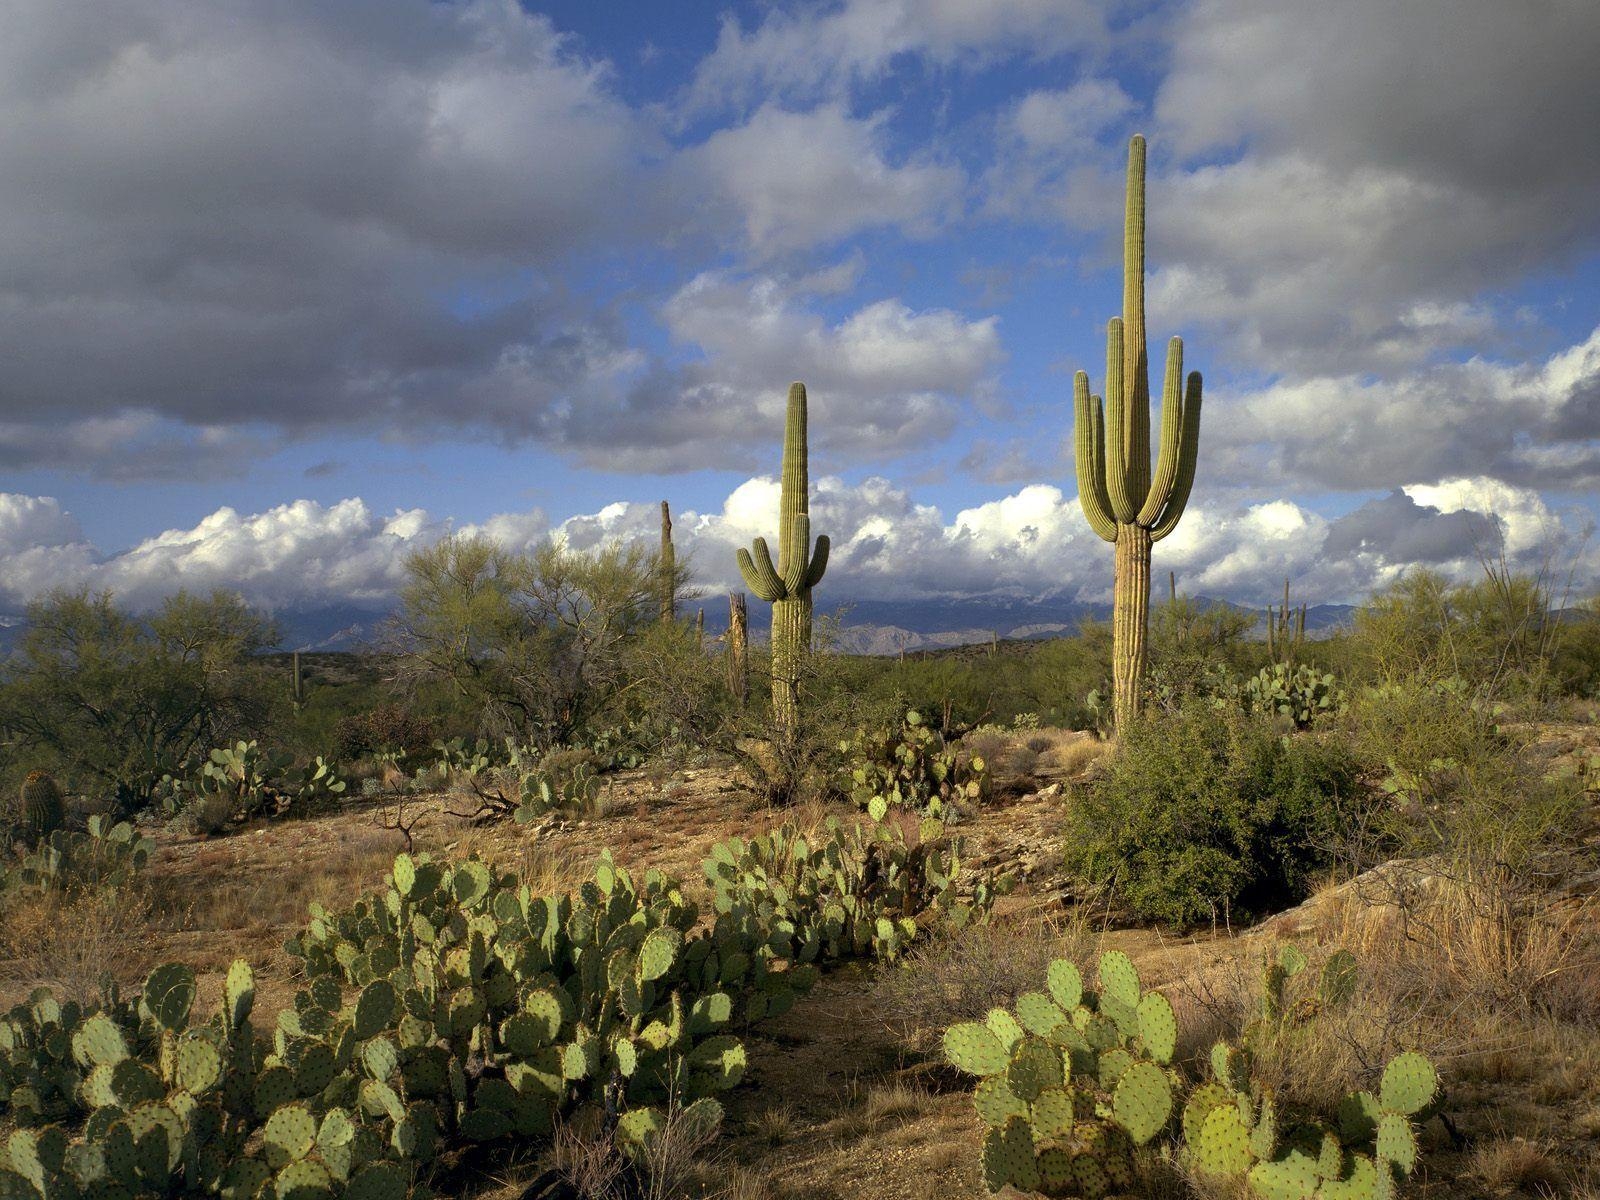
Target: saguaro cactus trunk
(738, 648)
(1121, 500)
(668, 567)
(787, 587)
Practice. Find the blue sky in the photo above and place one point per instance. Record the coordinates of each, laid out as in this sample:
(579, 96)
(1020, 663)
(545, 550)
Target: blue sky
(286, 291)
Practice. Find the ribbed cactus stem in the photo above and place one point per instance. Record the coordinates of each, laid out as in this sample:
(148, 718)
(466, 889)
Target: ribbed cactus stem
(1123, 501)
(738, 648)
(787, 586)
(668, 567)
(297, 689)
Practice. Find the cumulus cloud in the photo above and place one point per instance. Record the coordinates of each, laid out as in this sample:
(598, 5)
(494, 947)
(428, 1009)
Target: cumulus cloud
(1535, 424)
(884, 380)
(1381, 166)
(215, 212)
(800, 179)
(804, 52)
(1032, 543)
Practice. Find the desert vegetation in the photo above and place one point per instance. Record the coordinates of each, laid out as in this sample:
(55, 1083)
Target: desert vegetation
(549, 895)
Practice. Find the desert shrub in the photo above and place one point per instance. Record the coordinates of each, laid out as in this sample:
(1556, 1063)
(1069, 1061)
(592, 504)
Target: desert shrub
(538, 642)
(1458, 783)
(387, 728)
(1498, 633)
(1195, 650)
(1209, 814)
(119, 700)
(961, 973)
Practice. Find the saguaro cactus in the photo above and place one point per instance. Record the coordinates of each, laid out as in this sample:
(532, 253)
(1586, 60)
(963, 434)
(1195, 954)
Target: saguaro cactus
(297, 683)
(669, 568)
(788, 586)
(738, 648)
(1121, 500)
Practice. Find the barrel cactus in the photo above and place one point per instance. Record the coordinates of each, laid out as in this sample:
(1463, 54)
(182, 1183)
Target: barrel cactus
(1123, 503)
(39, 807)
(787, 587)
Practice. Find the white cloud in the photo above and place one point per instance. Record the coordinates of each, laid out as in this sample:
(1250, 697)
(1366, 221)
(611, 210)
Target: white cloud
(803, 52)
(800, 179)
(1030, 544)
(223, 221)
(1382, 166)
(884, 380)
(1527, 423)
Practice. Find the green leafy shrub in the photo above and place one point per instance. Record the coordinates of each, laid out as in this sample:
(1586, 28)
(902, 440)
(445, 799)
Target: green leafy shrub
(1072, 1080)
(1457, 781)
(1207, 814)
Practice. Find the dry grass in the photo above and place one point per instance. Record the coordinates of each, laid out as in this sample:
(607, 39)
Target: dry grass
(1516, 1164)
(230, 885)
(775, 1125)
(75, 942)
(961, 975)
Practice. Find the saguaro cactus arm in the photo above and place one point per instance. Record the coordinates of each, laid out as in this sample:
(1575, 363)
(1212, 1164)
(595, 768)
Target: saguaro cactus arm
(759, 573)
(1089, 438)
(1188, 454)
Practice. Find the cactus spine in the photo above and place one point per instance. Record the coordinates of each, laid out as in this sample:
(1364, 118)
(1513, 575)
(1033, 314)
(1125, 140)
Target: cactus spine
(738, 648)
(1122, 502)
(787, 587)
(669, 568)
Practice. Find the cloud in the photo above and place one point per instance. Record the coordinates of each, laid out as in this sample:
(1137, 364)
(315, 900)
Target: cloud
(1397, 528)
(806, 52)
(1344, 182)
(1535, 424)
(887, 545)
(800, 179)
(884, 380)
(347, 215)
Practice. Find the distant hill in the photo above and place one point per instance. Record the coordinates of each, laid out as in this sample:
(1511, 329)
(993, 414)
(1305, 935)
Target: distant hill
(867, 626)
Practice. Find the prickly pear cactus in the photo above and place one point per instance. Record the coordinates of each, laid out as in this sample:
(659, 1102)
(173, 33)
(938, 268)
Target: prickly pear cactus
(1303, 694)
(1073, 1080)
(911, 767)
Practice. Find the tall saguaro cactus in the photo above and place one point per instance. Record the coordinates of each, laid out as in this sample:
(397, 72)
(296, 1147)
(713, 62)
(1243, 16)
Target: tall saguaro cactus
(787, 587)
(668, 568)
(738, 648)
(1121, 500)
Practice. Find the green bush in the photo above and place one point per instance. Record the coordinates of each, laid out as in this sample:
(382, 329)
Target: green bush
(1209, 814)
(1456, 781)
